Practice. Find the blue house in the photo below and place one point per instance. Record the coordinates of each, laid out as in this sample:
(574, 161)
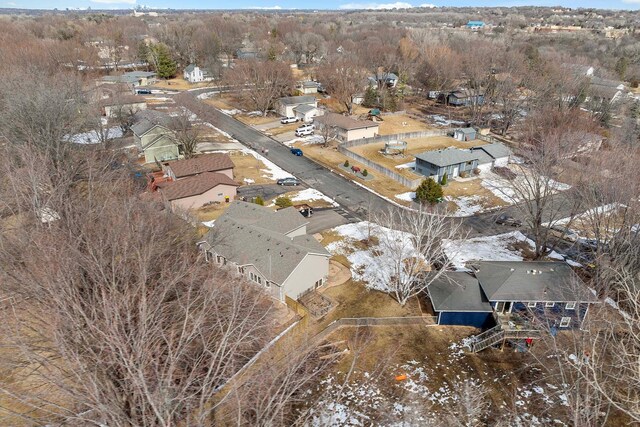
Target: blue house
(461, 99)
(524, 299)
(475, 25)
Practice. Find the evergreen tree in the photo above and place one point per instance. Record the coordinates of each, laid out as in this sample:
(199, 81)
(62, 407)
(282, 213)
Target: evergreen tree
(283, 202)
(429, 192)
(444, 179)
(160, 59)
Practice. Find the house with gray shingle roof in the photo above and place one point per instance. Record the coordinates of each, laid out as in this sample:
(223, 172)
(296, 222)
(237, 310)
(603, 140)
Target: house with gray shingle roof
(286, 105)
(454, 161)
(269, 248)
(153, 135)
(193, 74)
(513, 296)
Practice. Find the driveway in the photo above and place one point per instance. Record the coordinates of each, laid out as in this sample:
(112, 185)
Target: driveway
(324, 219)
(266, 191)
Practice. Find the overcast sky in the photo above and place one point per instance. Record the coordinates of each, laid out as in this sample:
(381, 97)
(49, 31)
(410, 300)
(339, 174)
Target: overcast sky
(304, 4)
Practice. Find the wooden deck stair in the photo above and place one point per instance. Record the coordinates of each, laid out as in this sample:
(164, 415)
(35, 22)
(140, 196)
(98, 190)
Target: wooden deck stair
(488, 338)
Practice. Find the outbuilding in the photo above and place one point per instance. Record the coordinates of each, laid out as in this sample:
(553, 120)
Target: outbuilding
(349, 129)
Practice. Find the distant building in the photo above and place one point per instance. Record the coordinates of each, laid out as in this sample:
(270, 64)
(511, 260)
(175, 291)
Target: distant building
(133, 78)
(384, 79)
(308, 87)
(349, 129)
(475, 25)
(464, 134)
(454, 161)
(113, 107)
(153, 135)
(193, 74)
(286, 105)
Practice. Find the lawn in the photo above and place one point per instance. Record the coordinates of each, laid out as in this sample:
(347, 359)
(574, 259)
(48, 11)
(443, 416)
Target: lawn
(248, 169)
(461, 193)
(401, 123)
(255, 119)
(331, 158)
(179, 83)
(291, 127)
(223, 102)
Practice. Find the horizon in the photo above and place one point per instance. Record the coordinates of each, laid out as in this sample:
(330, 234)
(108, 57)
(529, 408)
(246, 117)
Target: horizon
(296, 5)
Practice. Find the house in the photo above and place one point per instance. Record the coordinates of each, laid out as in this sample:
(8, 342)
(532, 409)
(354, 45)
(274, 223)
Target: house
(113, 107)
(199, 190)
(358, 98)
(215, 162)
(247, 53)
(153, 135)
(520, 298)
(268, 248)
(455, 161)
(475, 25)
(349, 129)
(461, 99)
(606, 90)
(193, 74)
(286, 105)
(306, 113)
(464, 134)
(132, 78)
(383, 79)
(308, 87)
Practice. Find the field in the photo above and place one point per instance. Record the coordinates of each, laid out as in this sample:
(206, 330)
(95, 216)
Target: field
(331, 159)
(401, 123)
(179, 83)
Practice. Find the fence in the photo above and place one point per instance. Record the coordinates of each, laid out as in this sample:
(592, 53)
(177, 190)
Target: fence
(407, 182)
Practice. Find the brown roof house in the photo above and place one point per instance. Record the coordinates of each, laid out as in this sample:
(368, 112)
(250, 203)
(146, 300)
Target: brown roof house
(269, 248)
(217, 162)
(122, 105)
(348, 129)
(198, 190)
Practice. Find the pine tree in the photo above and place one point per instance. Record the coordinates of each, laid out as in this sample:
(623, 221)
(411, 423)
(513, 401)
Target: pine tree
(429, 191)
(164, 65)
(283, 202)
(444, 179)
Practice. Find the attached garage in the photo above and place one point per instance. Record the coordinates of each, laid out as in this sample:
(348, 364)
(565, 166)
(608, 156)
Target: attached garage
(457, 299)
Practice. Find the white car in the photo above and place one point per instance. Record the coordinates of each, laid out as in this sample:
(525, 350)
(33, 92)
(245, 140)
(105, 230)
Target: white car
(287, 120)
(305, 130)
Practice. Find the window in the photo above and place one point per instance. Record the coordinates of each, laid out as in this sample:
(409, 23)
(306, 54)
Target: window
(571, 305)
(565, 321)
(220, 194)
(549, 304)
(268, 284)
(532, 304)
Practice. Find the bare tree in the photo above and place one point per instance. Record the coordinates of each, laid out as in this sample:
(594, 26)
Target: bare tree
(268, 80)
(119, 320)
(186, 134)
(327, 132)
(417, 247)
(343, 78)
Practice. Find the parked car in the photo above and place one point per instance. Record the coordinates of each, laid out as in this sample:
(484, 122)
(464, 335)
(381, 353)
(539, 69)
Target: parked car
(564, 233)
(287, 120)
(304, 209)
(296, 151)
(305, 130)
(143, 91)
(505, 219)
(288, 181)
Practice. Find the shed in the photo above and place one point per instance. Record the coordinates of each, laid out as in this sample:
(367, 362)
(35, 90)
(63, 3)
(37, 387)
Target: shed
(457, 299)
(464, 134)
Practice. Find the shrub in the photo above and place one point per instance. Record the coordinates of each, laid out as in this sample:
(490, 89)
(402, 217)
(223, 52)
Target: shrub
(444, 179)
(463, 174)
(258, 200)
(283, 202)
(429, 191)
(346, 163)
(365, 172)
(476, 171)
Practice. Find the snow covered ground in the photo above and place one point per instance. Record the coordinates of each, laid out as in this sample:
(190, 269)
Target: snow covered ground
(467, 205)
(372, 265)
(311, 194)
(406, 196)
(409, 165)
(503, 189)
(93, 137)
(232, 112)
(443, 121)
(489, 248)
(271, 170)
(305, 140)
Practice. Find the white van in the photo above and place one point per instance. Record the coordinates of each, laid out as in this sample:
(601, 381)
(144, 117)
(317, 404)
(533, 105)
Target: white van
(305, 130)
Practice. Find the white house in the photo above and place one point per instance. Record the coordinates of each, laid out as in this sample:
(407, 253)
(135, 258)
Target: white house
(286, 105)
(193, 74)
(308, 87)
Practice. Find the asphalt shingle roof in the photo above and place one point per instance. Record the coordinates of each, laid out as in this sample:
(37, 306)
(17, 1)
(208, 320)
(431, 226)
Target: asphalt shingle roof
(249, 240)
(344, 122)
(148, 119)
(189, 68)
(458, 291)
(295, 100)
(205, 163)
(193, 186)
(304, 109)
(495, 150)
(538, 281)
(283, 221)
(448, 156)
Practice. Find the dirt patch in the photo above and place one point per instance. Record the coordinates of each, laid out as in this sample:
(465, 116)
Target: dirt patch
(291, 127)
(179, 84)
(211, 212)
(255, 119)
(248, 169)
(338, 274)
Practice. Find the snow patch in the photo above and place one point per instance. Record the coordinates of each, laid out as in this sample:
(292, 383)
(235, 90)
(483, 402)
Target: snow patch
(409, 196)
(93, 137)
(467, 205)
(410, 165)
(311, 194)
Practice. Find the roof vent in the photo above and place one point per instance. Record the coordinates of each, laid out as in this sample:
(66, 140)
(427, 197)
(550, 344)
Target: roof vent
(513, 269)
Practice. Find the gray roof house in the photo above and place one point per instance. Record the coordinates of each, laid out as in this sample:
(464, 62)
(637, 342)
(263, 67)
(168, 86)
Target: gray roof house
(454, 161)
(286, 105)
(464, 134)
(153, 135)
(269, 248)
(133, 78)
(517, 299)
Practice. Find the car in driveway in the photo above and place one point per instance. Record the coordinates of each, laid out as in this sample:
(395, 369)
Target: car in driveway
(287, 120)
(505, 219)
(296, 151)
(305, 130)
(288, 181)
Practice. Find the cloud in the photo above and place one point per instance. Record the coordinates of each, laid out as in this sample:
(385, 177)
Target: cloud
(631, 1)
(10, 3)
(431, 6)
(264, 7)
(114, 1)
(382, 6)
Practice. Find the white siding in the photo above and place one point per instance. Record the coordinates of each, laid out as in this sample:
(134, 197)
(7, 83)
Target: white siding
(312, 268)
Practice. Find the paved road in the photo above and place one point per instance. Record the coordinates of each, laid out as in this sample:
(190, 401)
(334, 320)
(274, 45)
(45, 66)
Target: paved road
(266, 191)
(324, 219)
(350, 196)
